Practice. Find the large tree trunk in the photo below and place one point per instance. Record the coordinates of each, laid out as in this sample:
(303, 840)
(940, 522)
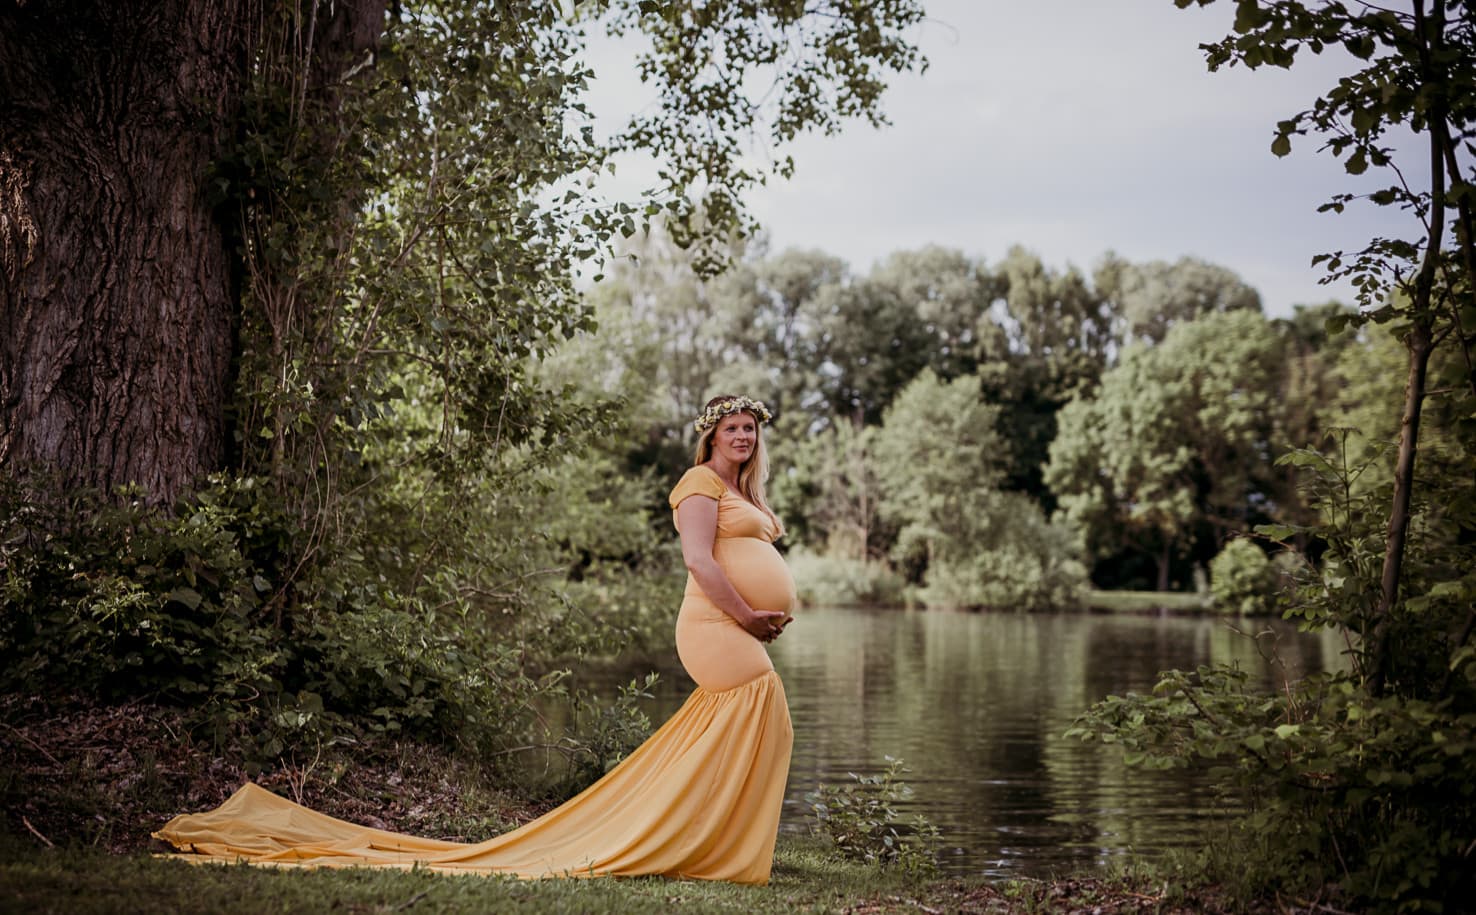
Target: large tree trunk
(117, 306)
(118, 289)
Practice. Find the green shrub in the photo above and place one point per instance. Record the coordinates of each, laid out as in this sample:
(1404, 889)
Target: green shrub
(1361, 795)
(197, 606)
(1379, 792)
(832, 581)
(613, 604)
(1023, 562)
(600, 734)
(132, 601)
(862, 822)
(1242, 580)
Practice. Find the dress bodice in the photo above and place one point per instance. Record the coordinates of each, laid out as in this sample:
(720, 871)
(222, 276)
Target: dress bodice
(737, 517)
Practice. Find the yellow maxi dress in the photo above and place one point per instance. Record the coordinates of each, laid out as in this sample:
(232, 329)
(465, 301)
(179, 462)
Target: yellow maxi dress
(700, 798)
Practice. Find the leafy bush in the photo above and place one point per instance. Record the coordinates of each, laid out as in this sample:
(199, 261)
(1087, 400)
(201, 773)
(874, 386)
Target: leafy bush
(1377, 791)
(971, 543)
(1020, 561)
(1368, 793)
(838, 582)
(197, 606)
(601, 734)
(136, 602)
(1242, 580)
(862, 821)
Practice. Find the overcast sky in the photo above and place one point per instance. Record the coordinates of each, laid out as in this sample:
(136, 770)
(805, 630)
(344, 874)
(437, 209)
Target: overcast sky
(1071, 127)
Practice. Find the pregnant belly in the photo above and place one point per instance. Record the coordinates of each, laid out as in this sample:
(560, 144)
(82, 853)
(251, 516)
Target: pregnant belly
(758, 572)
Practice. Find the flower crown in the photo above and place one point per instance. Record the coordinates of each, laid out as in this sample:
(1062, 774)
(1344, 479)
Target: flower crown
(717, 411)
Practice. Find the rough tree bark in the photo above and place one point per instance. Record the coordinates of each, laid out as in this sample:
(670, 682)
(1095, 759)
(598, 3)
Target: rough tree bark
(118, 297)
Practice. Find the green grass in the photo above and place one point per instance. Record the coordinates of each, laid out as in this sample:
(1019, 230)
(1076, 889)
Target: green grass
(806, 879)
(1147, 601)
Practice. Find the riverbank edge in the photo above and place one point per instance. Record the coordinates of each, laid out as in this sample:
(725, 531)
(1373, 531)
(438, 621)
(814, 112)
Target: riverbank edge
(1127, 603)
(1176, 603)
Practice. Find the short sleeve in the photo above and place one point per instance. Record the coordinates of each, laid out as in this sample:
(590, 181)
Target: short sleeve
(699, 481)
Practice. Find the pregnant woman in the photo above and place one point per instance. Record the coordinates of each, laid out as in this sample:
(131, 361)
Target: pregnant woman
(700, 798)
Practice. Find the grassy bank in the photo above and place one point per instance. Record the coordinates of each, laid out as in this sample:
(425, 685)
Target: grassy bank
(807, 878)
(90, 882)
(1147, 602)
(83, 785)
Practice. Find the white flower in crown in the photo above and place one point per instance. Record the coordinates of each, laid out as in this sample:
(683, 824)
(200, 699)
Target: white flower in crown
(717, 411)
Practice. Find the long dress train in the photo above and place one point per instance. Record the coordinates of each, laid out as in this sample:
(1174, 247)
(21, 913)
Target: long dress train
(700, 798)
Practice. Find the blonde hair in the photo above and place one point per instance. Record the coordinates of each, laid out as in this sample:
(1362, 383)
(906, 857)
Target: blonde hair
(751, 473)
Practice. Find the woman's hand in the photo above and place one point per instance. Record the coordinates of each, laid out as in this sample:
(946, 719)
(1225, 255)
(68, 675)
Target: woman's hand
(766, 625)
(697, 521)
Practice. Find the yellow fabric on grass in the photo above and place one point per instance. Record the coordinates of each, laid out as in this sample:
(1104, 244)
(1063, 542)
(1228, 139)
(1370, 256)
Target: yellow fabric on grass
(700, 798)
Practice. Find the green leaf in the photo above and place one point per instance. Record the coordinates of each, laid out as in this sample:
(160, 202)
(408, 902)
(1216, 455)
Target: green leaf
(187, 596)
(1248, 15)
(1275, 531)
(1360, 46)
(1456, 589)
(1281, 146)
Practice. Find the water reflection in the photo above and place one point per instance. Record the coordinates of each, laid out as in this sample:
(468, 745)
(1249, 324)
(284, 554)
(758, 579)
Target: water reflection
(977, 705)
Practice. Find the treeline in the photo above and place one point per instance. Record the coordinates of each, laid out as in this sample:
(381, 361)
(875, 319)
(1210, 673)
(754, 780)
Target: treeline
(964, 433)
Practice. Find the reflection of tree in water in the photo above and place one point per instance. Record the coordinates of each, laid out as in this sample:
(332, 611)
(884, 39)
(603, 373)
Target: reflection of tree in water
(977, 705)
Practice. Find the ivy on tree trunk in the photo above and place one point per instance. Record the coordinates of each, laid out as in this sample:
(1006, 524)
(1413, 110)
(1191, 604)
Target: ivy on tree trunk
(119, 274)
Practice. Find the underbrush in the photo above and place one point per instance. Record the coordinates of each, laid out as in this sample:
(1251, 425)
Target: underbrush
(75, 773)
(277, 650)
(1361, 782)
(861, 820)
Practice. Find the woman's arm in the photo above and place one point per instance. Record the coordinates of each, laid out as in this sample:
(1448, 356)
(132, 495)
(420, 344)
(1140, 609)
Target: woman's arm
(697, 521)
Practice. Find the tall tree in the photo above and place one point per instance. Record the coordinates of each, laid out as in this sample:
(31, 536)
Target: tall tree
(873, 345)
(1311, 387)
(941, 463)
(1046, 338)
(942, 460)
(1151, 298)
(186, 189)
(949, 293)
(1177, 436)
(915, 310)
(767, 312)
(1389, 827)
(1418, 73)
(120, 291)
(676, 310)
(830, 488)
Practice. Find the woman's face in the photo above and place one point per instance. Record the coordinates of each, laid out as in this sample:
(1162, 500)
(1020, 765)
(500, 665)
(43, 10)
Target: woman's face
(735, 438)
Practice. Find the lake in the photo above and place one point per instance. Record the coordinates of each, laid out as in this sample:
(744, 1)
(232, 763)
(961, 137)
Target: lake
(977, 703)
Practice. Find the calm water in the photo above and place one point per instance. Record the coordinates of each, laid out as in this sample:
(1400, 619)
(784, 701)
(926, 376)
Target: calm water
(977, 703)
